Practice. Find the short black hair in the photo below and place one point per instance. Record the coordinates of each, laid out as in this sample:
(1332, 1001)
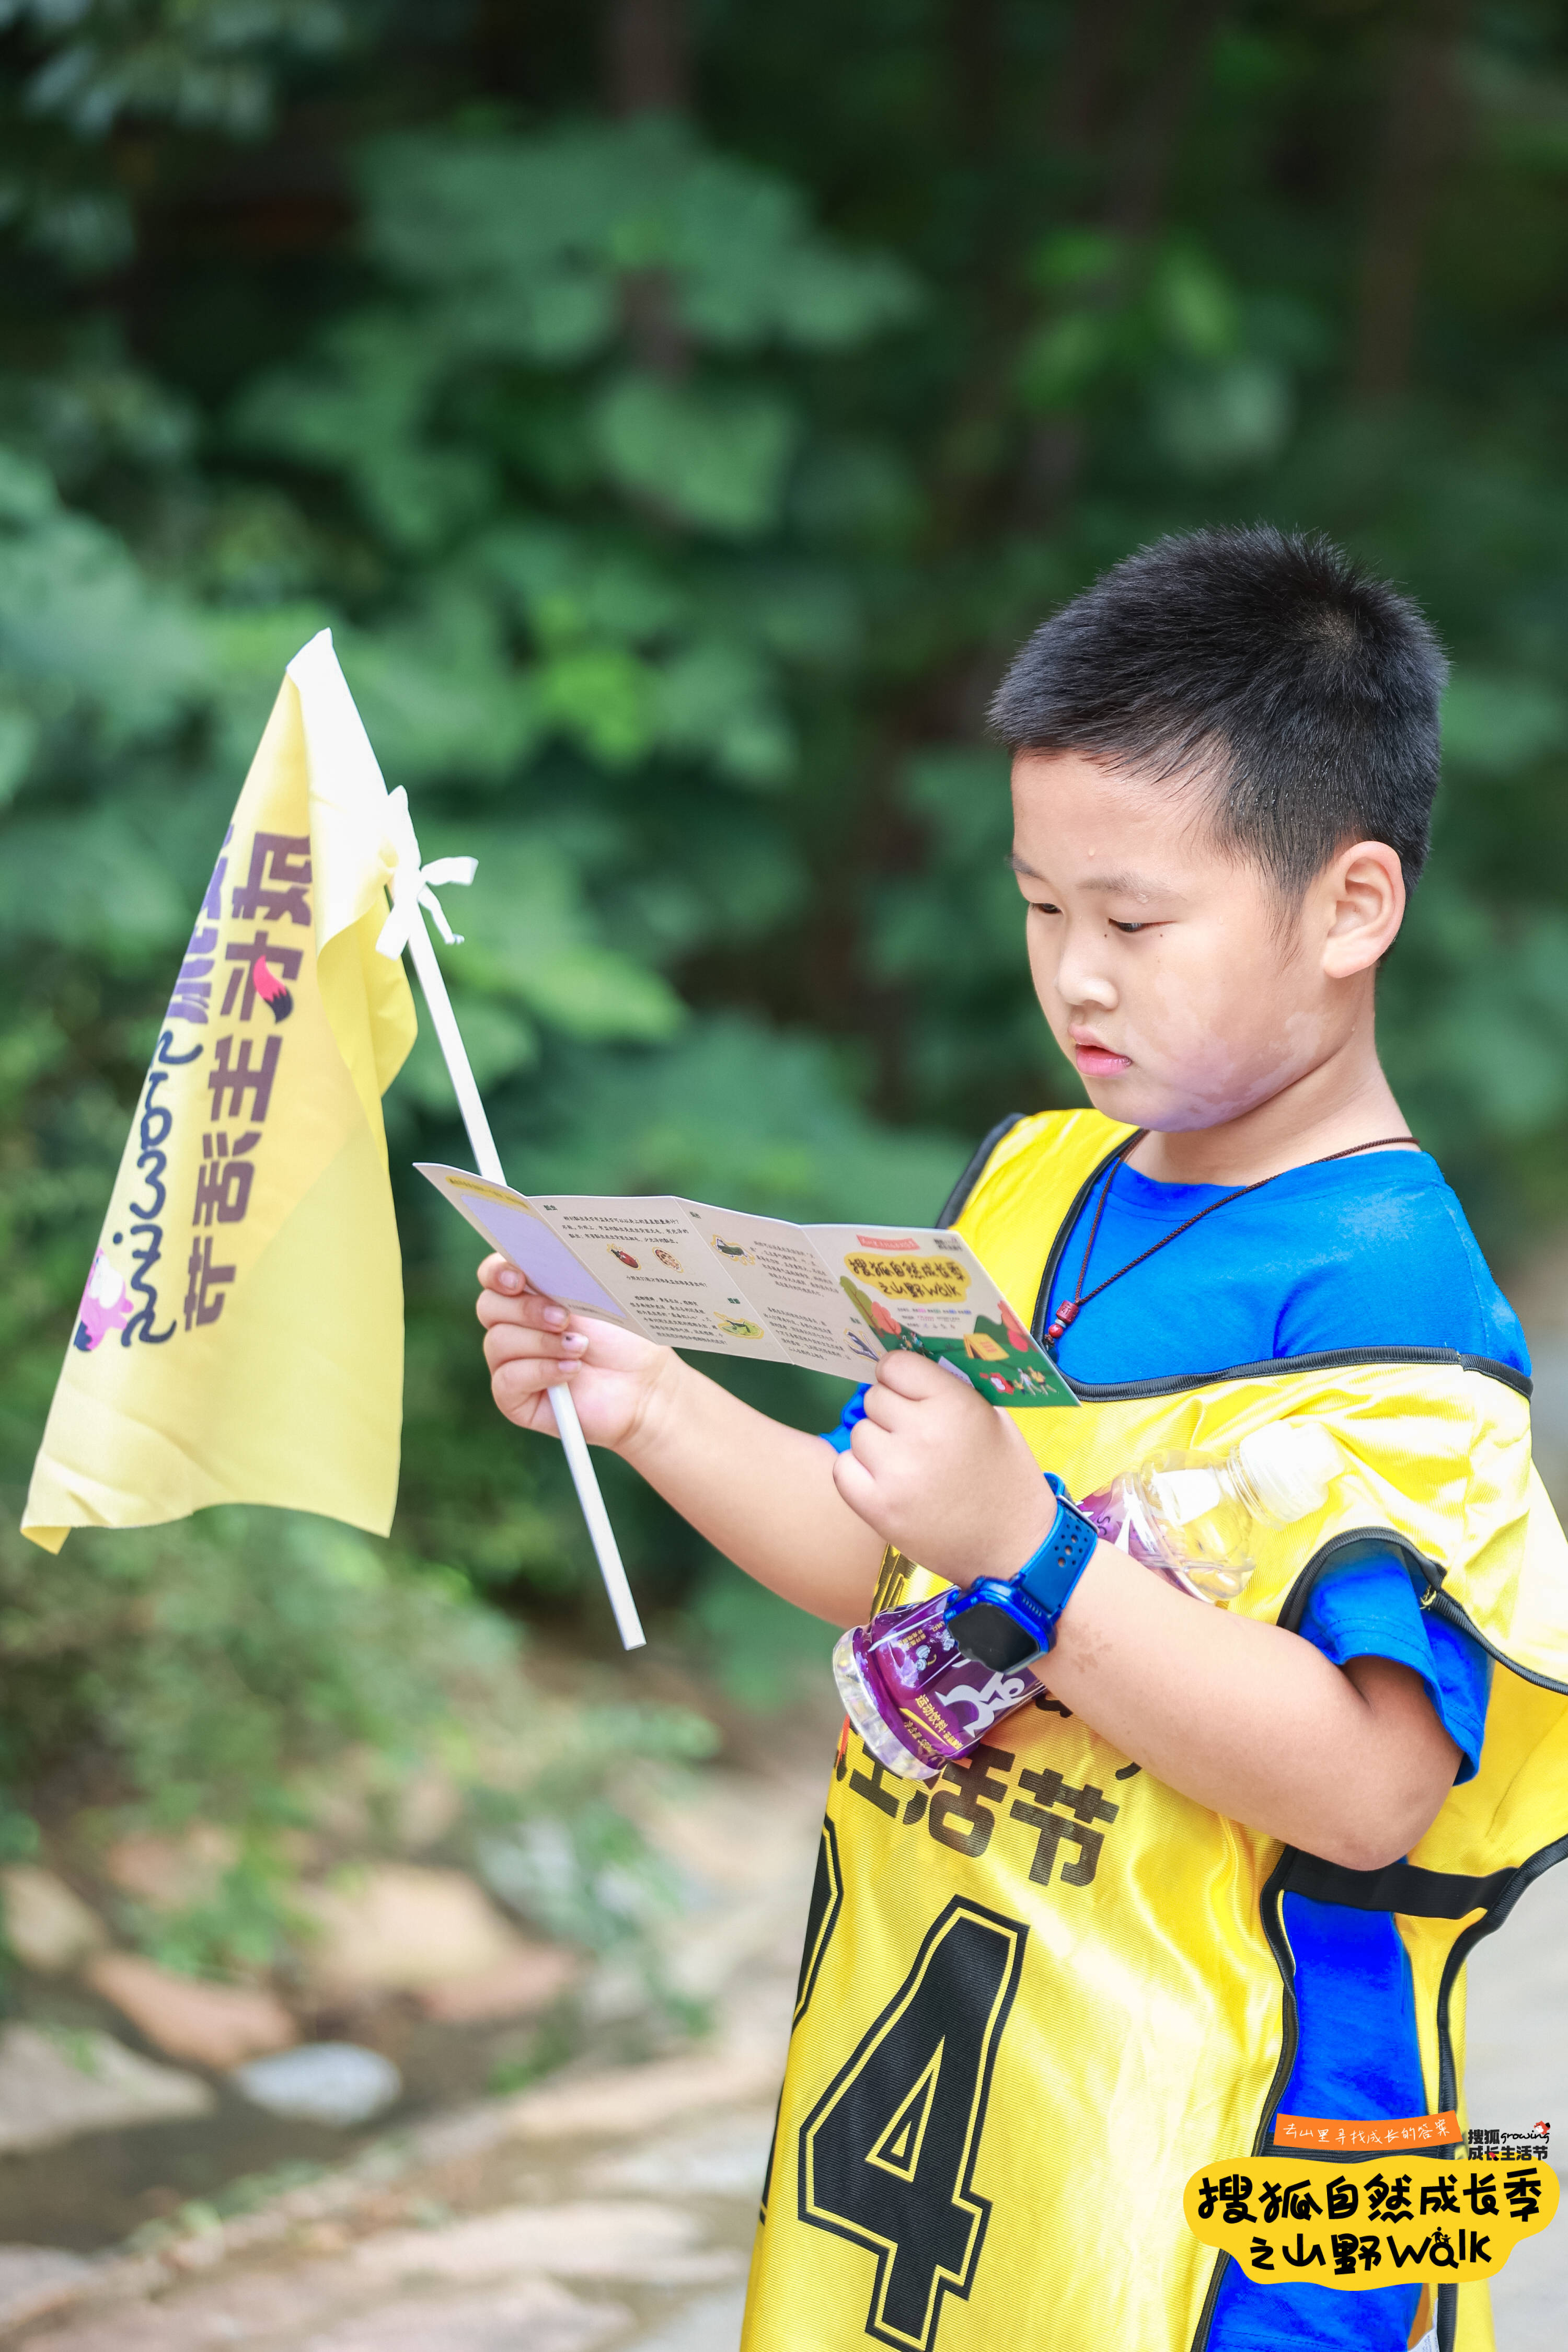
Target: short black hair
(1306, 690)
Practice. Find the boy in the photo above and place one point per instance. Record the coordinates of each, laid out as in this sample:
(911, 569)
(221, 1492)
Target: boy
(1223, 1870)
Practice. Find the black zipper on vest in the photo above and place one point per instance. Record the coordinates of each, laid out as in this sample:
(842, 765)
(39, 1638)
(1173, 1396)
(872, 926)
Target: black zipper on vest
(1442, 1604)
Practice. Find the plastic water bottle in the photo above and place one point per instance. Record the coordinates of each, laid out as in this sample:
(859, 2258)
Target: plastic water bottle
(1196, 1520)
(919, 1699)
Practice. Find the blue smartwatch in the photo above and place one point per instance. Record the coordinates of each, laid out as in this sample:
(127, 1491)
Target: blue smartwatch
(1004, 1622)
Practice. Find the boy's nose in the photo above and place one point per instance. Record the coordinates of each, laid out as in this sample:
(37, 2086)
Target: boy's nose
(1081, 980)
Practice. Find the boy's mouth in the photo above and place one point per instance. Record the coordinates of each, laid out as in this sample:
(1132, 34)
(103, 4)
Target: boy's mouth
(1098, 1061)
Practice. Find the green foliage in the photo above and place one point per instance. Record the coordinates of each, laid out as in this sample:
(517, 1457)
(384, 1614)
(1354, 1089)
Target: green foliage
(202, 1668)
(578, 1865)
(279, 1678)
(675, 488)
(759, 1648)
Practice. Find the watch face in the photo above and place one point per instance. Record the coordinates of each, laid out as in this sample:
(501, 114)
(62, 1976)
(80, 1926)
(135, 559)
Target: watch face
(988, 1635)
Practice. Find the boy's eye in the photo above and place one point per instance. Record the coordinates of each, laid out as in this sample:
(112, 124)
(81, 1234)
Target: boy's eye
(1128, 926)
(1043, 907)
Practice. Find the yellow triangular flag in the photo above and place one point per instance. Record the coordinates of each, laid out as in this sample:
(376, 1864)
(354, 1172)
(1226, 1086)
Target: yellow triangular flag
(240, 1337)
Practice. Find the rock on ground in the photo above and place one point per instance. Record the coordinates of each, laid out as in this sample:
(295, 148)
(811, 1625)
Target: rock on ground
(716, 2159)
(34, 2278)
(47, 1927)
(612, 2207)
(56, 2082)
(399, 1928)
(527, 1980)
(334, 2083)
(592, 2240)
(169, 1872)
(211, 2025)
(711, 2324)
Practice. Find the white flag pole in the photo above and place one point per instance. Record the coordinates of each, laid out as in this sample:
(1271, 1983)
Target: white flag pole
(487, 1162)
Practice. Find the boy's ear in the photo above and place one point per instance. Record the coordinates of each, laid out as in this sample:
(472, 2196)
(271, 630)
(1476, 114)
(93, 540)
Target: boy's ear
(1362, 902)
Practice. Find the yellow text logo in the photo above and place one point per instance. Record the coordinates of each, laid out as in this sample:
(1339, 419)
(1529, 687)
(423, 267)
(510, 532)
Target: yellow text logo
(1368, 2224)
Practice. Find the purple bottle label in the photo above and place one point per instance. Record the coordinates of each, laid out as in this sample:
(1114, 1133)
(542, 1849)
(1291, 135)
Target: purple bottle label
(935, 1699)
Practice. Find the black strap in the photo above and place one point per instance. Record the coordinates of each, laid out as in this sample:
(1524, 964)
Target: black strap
(1402, 1886)
(953, 1207)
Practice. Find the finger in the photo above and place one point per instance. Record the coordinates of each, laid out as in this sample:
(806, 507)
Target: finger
(885, 1409)
(498, 1273)
(857, 1489)
(875, 1449)
(531, 1307)
(520, 1389)
(515, 1343)
(907, 1374)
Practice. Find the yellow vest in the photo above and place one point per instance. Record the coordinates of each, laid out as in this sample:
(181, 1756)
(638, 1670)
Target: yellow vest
(1041, 1992)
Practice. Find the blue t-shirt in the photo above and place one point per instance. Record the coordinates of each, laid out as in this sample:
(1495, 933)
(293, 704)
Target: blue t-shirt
(1371, 1252)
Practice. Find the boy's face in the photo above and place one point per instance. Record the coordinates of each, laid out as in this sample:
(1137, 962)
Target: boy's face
(1174, 979)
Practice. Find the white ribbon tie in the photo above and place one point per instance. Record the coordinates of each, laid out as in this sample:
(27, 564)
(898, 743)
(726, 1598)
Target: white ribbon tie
(411, 880)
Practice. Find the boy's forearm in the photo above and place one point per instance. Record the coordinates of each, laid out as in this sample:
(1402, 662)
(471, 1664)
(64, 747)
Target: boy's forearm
(1347, 1763)
(761, 1493)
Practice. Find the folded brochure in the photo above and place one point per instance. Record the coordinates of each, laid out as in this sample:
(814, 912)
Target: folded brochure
(831, 1298)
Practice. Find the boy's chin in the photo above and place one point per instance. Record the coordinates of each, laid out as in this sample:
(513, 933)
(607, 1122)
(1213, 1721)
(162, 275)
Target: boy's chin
(1134, 1099)
(1125, 1094)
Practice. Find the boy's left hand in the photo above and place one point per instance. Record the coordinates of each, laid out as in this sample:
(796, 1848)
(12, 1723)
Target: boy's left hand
(943, 1474)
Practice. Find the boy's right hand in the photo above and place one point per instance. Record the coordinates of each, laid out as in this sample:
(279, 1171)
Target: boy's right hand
(616, 1377)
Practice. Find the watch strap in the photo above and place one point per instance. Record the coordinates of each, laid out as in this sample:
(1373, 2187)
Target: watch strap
(1049, 1575)
(1005, 1621)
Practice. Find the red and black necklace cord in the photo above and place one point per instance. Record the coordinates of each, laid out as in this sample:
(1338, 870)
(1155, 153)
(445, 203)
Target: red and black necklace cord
(1069, 1309)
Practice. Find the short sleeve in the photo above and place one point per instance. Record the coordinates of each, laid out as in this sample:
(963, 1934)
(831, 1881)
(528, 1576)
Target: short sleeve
(1366, 1608)
(838, 1437)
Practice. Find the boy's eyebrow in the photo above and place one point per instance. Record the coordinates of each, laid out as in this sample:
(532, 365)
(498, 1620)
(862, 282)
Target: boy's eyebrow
(1129, 884)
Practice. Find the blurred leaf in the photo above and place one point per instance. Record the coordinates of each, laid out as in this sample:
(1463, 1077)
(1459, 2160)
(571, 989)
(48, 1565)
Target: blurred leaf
(499, 1041)
(735, 1112)
(1063, 359)
(1223, 420)
(1077, 257)
(91, 884)
(717, 699)
(715, 460)
(1496, 725)
(1193, 303)
(528, 935)
(535, 233)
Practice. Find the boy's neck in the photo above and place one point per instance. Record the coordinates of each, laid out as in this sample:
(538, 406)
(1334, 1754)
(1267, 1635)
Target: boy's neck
(1345, 1100)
